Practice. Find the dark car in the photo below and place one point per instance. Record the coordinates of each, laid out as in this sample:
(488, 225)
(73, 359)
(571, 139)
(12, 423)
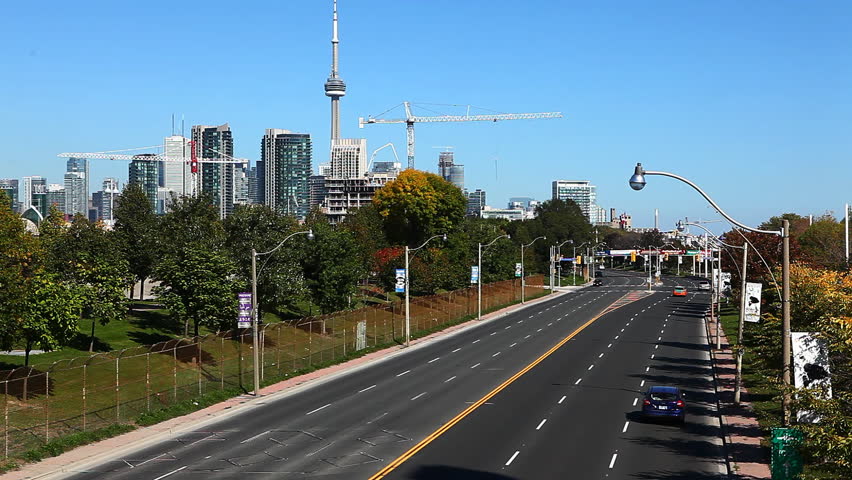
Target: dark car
(597, 283)
(664, 402)
(598, 274)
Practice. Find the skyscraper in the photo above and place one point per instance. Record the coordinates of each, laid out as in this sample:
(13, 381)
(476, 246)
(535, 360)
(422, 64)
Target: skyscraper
(10, 187)
(145, 171)
(56, 195)
(216, 179)
(475, 202)
(77, 186)
(334, 86)
(34, 191)
(449, 170)
(349, 158)
(287, 166)
(582, 192)
(109, 194)
(175, 174)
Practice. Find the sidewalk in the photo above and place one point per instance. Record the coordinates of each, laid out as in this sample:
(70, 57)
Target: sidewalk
(747, 458)
(88, 455)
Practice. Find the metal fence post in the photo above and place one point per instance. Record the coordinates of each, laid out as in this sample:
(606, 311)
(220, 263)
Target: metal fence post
(116, 388)
(85, 367)
(310, 343)
(174, 373)
(198, 363)
(222, 357)
(278, 351)
(148, 381)
(6, 417)
(294, 346)
(47, 406)
(344, 339)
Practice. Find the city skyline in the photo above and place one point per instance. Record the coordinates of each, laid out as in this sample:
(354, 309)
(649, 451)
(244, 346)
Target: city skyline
(759, 104)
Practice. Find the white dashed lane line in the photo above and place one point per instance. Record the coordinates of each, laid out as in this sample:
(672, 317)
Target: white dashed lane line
(318, 409)
(578, 381)
(434, 360)
(540, 424)
(365, 389)
(478, 364)
(403, 373)
(418, 396)
(561, 399)
(624, 430)
(612, 462)
(450, 379)
(513, 458)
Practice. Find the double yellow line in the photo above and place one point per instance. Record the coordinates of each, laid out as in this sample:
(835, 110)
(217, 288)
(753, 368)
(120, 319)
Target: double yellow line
(440, 431)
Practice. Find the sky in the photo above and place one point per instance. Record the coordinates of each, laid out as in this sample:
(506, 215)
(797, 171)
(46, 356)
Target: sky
(750, 100)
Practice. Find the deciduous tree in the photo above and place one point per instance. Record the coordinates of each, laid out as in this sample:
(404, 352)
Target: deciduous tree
(136, 232)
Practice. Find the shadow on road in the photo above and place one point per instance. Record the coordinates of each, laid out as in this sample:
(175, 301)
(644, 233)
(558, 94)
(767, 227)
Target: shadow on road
(445, 472)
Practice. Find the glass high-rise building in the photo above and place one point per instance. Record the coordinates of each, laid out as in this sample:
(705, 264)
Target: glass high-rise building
(175, 172)
(475, 202)
(145, 171)
(449, 170)
(76, 181)
(10, 187)
(216, 179)
(286, 160)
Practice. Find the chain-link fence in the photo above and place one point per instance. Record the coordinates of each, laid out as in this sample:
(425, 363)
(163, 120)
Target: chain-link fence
(43, 402)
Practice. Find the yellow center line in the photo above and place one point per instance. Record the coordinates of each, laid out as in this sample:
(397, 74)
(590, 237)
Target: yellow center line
(440, 431)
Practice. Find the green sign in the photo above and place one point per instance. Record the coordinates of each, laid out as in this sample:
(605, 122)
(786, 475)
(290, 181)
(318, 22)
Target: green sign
(786, 460)
(693, 252)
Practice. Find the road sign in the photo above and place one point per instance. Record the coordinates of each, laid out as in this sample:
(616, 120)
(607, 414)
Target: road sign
(752, 307)
(786, 459)
(474, 274)
(244, 313)
(400, 280)
(518, 269)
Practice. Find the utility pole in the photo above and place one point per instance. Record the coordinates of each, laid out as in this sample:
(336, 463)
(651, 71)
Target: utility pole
(740, 348)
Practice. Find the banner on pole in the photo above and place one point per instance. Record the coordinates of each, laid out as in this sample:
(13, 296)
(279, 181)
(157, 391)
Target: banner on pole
(400, 280)
(810, 368)
(679, 260)
(361, 335)
(518, 269)
(244, 313)
(752, 301)
(474, 274)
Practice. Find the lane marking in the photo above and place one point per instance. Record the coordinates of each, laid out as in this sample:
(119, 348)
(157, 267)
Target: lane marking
(478, 364)
(365, 389)
(609, 346)
(171, 473)
(493, 333)
(528, 336)
(467, 411)
(513, 458)
(612, 462)
(642, 383)
(561, 399)
(456, 350)
(418, 396)
(659, 338)
(434, 360)
(600, 356)
(403, 373)
(578, 381)
(512, 345)
(656, 347)
(449, 379)
(616, 337)
(540, 424)
(624, 430)
(591, 366)
(256, 436)
(635, 401)
(647, 368)
(476, 340)
(652, 356)
(318, 409)
(498, 353)
(507, 327)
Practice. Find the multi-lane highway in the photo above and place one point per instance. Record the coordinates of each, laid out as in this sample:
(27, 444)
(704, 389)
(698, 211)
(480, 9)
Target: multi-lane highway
(550, 391)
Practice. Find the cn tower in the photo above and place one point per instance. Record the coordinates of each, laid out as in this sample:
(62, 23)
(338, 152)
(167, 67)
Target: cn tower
(334, 86)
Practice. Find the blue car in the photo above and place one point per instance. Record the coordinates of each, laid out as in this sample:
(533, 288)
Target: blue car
(664, 402)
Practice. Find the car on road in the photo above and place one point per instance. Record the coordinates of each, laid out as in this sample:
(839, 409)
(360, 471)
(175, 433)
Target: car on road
(598, 274)
(703, 285)
(679, 291)
(664, 402)
(597, 283)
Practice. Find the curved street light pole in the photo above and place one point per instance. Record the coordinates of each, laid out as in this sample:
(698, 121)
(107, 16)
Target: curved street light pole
(637, 182)
(574, 263)
(407, 283)
(559, 256)
(523, 269)
(479, 275)
(254, 312)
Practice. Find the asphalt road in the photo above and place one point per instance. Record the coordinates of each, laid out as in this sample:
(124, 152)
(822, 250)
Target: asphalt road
(571, 415)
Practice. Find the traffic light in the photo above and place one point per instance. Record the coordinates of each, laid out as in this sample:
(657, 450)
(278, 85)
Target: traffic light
(579, 259)
(633, 256)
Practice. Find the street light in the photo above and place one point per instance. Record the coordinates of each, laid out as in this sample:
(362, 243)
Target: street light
(637, 182)
(523, 270)
(407, 283)
(740, 348)
(479, 276)
(254, 312)
(559, 256)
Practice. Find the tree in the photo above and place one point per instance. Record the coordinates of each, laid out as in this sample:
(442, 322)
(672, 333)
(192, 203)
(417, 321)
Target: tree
(823, 242)
(197, 277)
(798, 223)
(332, 265)
(417, 205)
(89, 259)
(280, 281)
(135, 229)
(366, 226)
(198, 286)
(19, 252)
(51, 315)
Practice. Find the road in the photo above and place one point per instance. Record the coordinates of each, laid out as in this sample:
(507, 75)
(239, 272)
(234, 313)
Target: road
(546, 392)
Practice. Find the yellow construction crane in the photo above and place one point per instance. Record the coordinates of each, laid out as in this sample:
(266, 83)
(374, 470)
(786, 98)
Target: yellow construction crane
(410, 119)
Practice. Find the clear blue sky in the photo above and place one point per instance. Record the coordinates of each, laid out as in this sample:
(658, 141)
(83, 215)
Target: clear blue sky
(751, 100)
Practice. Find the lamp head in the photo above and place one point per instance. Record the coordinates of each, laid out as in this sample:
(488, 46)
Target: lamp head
(508, 236)
(637, 181)
(445, 237)
(311, 235)
(680, 226)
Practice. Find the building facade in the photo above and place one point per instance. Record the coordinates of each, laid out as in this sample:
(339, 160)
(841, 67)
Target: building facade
(348, 158)
(475, 202)
(216, 179)
(582, 192)
(56, 196)
(10, 186)
(34, 196)
(144, 171)
(286, 158)
(175, 173)
(449, 170)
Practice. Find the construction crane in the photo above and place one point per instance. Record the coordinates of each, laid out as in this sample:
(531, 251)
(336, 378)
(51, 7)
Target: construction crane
(193, 159)
(410, 119)
(373, 156)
